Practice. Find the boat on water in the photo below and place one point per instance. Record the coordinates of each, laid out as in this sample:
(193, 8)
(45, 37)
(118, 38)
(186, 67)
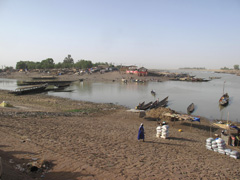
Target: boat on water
(30, 89)
(60, 88)
(153, 92)
(190, 108)
(224, 100)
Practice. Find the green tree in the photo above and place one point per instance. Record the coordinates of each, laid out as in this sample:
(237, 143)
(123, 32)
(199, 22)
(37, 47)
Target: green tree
(31, 64)
(21, 65)
(225, 68)
(100, 63)
(59, 65)
(68, 62)
(236, 67)
(83, 64)
(68, 59)
(47, 63)
(8, 68)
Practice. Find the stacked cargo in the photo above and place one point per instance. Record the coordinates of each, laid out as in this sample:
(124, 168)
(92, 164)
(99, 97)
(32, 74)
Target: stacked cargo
(165, 131)
(219, 145)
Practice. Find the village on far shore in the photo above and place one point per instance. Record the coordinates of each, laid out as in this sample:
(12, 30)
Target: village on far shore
(137, 74)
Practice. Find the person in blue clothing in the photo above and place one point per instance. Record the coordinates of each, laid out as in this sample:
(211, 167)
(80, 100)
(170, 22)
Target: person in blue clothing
(141, 132)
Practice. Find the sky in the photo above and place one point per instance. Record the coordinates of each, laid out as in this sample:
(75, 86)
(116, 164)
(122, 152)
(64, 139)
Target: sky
(156, 34)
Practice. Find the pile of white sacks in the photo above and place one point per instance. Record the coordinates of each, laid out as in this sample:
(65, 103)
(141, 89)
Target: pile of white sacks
(162, 131)
(219, 145)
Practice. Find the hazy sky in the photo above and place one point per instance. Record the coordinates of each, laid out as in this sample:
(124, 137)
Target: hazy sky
(151, 33)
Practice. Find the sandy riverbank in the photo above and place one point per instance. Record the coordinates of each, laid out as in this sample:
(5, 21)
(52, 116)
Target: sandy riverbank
(108, 76)
(82, 140)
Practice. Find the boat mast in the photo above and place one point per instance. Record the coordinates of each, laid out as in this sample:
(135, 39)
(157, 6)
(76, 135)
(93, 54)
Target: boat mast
(224, 86)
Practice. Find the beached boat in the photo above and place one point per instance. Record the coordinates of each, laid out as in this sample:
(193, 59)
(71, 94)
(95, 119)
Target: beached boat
(49, 82)
(30, 89)
(224, 100)
(140, 105)
(162, 103)
(145, 106)
(190, 108)
(157, 103)
(154, 104)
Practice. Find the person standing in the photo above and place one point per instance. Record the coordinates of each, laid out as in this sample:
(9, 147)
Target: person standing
(141, 132)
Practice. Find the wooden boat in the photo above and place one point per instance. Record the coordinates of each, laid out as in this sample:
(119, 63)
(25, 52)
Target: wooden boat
(44, 82)
(190, 108)
(146, 106)
(154, 104)
(30, 89)
(59, 86)
(162, 103)
(140, 105)
(153, 92)
(224, 100)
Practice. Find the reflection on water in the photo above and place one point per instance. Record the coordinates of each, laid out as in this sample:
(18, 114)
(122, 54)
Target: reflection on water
(8, 84)
(204, 95)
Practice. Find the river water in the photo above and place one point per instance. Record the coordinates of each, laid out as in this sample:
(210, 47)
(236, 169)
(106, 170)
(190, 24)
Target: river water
(204, 95)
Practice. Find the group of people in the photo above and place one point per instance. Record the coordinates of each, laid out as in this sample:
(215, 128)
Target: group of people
(141, 133)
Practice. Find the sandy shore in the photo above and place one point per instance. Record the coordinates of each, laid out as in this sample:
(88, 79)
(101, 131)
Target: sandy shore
(82, 140)
(108, 76)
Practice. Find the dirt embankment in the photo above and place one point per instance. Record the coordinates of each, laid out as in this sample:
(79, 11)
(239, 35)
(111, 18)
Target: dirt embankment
(107, 76)
(82, 140)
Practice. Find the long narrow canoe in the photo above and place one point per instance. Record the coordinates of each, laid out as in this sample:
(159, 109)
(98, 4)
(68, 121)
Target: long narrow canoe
(30, 89)
(146, 106)
(162, 103)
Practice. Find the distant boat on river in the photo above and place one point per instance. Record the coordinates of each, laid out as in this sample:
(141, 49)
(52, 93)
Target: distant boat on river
(224, 100)
(190, 108)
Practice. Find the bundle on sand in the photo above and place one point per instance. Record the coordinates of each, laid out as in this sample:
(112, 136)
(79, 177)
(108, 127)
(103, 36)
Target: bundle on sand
(159, 113)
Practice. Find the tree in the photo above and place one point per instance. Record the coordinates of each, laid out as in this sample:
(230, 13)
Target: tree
(83, 64)
(21, 65)
(68, 59)
(59, 65)
(31, 64)
(225, 68)
(236, 67)
(47, 63)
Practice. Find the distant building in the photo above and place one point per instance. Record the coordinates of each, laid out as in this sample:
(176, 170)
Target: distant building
(138, 71)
